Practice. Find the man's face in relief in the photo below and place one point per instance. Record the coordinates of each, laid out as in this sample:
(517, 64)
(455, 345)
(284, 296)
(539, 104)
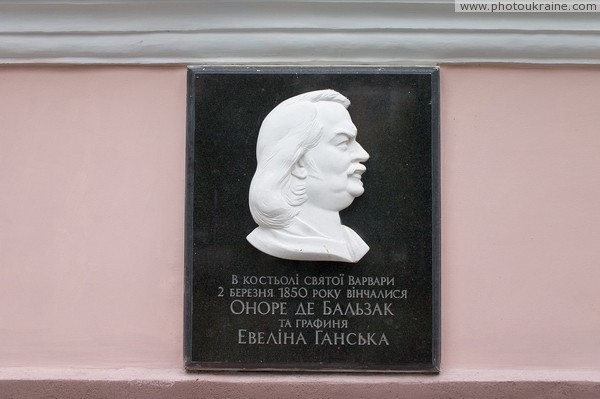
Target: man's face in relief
(334, 166)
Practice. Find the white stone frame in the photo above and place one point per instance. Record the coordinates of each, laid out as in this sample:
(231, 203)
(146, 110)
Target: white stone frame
(396, 32)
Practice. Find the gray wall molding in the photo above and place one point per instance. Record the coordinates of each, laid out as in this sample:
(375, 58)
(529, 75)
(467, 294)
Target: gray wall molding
(394, 32)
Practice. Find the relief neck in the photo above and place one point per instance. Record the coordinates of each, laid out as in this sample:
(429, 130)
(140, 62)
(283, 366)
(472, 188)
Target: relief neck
(326, 222)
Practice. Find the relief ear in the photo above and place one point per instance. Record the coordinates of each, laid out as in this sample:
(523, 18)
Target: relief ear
(299, 169)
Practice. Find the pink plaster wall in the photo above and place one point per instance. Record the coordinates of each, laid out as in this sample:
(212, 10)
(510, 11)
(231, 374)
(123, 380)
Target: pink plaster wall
(520, 217)
(91, 217)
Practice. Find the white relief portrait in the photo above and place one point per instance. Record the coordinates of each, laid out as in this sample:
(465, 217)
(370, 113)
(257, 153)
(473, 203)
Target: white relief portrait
(309, 168)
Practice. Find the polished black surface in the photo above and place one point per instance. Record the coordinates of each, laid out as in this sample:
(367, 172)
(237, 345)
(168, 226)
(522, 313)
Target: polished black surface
(396, 113)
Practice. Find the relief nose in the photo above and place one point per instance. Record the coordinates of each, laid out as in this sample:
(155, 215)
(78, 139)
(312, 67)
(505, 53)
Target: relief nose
(359, 153)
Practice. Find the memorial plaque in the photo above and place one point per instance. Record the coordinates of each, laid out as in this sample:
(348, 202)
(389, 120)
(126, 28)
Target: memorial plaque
(312, 219)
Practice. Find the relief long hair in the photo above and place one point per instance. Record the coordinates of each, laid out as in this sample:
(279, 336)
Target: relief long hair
(287, 133)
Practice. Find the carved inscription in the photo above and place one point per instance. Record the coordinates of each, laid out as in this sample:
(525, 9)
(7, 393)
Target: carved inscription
(313, 310)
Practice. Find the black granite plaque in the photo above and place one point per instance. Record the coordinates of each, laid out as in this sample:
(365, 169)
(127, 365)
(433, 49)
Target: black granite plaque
(246, 310)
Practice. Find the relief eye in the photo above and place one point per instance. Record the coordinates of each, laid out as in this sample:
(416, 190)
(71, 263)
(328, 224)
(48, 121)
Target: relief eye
(343, 145)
